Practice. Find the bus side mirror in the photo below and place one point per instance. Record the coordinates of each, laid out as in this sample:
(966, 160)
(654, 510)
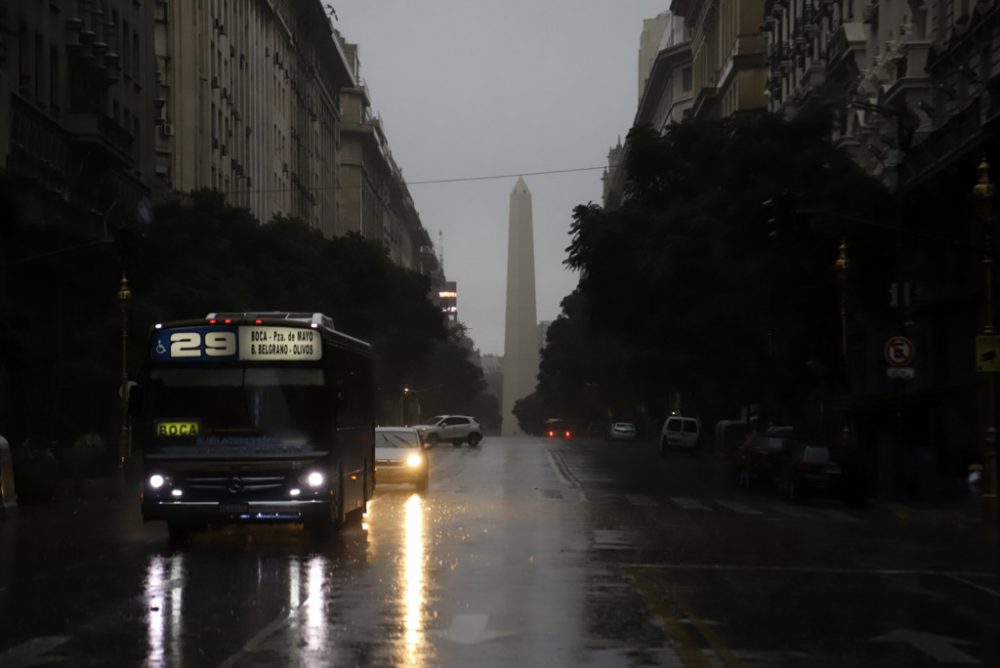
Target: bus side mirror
(135, 400)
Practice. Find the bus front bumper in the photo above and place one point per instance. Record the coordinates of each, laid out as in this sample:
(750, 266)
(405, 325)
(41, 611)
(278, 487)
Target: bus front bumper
(277, 510)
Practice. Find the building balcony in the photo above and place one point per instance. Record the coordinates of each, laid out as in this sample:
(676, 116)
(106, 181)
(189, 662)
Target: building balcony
(101, 132)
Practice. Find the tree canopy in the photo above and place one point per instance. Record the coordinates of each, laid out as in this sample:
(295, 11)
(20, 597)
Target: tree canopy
(714, 281)
(202, 255)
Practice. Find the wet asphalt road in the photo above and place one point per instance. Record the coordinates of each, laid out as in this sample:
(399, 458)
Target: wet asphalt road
(521, 553)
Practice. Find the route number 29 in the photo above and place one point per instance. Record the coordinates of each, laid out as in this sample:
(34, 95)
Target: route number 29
(191, 344)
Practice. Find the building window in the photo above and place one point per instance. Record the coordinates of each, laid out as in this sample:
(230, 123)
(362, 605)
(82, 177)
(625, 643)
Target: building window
(686, 79)
(126, 51)
(22, 58)
(135, 55)
(38, 68)
(53, 78)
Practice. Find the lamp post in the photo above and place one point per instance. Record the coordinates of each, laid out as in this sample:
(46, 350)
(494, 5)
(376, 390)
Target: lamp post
(124, 294)
(983, 193)
(842, 266)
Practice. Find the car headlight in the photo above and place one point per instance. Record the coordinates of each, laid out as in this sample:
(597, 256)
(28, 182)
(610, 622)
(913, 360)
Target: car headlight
(315, 479)
(156, 481)
(414, 460)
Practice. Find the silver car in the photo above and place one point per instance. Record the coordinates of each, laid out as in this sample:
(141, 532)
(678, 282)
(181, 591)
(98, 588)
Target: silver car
(400, 457)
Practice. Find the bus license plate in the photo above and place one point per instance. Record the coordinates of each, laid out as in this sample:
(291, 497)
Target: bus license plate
(233, 508)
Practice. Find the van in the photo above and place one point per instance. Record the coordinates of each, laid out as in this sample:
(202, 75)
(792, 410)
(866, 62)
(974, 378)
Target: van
(680, 432)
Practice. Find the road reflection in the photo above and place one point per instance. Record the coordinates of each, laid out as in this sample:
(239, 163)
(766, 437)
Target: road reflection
(295, 581)
(164, 595)
(414, 598)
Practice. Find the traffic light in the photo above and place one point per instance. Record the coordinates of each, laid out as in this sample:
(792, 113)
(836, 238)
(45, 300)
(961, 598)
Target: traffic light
(779, 214)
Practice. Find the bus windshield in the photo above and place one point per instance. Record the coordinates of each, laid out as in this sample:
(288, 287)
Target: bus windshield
(237, 406)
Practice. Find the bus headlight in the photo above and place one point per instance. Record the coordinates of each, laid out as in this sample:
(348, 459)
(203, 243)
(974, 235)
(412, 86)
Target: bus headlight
(414, 460)
(315, 479)
(156, 481)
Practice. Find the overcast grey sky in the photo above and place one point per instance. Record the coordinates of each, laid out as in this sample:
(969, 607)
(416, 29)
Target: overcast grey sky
(482, 87)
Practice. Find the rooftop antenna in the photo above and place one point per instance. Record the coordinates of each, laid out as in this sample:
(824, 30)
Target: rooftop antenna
(441, 249)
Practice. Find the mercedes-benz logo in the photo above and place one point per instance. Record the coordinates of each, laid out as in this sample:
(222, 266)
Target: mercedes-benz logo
(234, 485)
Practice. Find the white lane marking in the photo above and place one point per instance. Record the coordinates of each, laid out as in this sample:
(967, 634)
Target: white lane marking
(811, 569)
(468, 629)
(642, 500)
(976, 585)
(613, 539)
(689, 504)
(791, 511)
(32, 652)
(838, 515)
(738, 507)
(940, 648)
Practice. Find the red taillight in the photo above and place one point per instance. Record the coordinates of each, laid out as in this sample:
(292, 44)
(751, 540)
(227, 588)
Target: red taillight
(551, 433)
(568, 434)
(213, 321)
(258, 321)
(227, 321)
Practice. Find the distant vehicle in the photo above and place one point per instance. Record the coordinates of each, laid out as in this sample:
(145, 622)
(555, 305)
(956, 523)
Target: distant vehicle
(760, 459)
(255, 417)
(808, 469)
(454, 429)
(680, 432)
(400, 457)
(556, 428)
(622, 431)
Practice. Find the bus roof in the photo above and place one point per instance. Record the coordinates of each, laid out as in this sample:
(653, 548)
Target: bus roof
(318, 321)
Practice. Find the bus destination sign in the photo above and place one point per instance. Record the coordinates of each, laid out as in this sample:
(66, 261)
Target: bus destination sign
(249, 343)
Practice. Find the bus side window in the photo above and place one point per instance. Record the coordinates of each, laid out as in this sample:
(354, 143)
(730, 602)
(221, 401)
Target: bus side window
(354, 389)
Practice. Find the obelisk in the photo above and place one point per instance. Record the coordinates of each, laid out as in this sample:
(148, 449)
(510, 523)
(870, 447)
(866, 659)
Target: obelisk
(520, 350)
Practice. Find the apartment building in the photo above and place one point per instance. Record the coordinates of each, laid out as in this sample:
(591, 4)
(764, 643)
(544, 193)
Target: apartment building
(728, 55)
(373, 198)
(913, 88)
(248, 94)
(666, 95)
(77, 113)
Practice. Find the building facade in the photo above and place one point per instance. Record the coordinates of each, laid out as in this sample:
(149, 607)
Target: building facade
(249, 104)
(77, 114)
(727, 53)
(666, 94)
(913, 89)
(373, 199)
(264, 102)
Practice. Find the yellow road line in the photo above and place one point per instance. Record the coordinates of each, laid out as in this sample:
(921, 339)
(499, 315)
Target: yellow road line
(688, 648)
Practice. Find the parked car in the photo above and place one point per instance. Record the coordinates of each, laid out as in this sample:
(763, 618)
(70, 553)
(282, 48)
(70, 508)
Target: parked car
(556, 428)
(759, 459)
(400, 457)
(808, 469)
(622, 431)
(454, 429)
(680, 432)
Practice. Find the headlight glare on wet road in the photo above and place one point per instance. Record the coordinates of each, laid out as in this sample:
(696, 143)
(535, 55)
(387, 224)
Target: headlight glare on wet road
(414, 460)
(315, 479)
(156, 481)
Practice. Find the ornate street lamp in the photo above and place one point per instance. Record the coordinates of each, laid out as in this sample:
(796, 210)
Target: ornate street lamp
(983, 193)
(842, 266)
(124, 294)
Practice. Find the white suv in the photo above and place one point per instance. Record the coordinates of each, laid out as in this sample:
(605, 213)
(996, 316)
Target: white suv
(454, 429)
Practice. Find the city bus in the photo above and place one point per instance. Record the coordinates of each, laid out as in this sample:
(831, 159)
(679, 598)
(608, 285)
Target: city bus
(255, 417)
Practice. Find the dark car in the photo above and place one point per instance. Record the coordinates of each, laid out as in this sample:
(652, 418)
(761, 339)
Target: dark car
(760, 459)
(556, 428)
(809, 469)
